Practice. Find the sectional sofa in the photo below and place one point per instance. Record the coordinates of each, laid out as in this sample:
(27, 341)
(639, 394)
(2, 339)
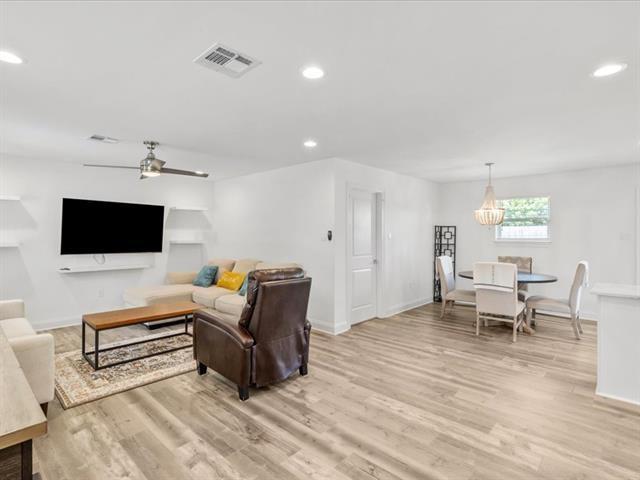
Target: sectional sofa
(179, 287)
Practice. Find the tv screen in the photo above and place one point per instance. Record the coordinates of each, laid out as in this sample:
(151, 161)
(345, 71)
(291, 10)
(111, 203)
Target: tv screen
(91, 226)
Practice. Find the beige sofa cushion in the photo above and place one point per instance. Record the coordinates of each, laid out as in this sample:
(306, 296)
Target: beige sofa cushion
(223, 264)
(16, 327)
(174, 278)
(34, 353)
(226, 263)
(12, 309)
(270, 266)
(231, 304)
(141, 296)
(245, 265)
(208, 296)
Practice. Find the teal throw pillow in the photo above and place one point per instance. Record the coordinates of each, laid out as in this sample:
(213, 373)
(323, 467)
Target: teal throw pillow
(206, 275)
(245, 284)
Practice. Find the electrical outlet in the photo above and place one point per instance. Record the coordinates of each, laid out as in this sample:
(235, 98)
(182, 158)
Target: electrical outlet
(101, 293)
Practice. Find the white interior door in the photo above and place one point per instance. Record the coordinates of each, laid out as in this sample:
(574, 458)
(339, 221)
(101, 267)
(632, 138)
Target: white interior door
(362, 255)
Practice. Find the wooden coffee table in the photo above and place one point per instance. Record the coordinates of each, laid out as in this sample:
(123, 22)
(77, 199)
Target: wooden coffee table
(134, 316)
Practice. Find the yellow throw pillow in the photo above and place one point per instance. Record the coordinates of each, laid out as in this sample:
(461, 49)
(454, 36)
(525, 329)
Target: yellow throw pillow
(231, 280)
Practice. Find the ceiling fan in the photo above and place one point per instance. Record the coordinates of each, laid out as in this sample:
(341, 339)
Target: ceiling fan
(150, 166)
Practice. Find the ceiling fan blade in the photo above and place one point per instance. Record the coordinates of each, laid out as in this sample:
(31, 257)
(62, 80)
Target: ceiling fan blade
(157, 164)
(175, 171)
(109, 166)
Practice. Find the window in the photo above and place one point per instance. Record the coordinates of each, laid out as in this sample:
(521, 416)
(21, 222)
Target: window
(524, 219)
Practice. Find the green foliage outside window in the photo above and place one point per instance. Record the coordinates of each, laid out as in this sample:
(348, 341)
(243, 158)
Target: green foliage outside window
(523, 212)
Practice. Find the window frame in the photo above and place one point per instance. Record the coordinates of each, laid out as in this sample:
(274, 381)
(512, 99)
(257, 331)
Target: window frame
(542, 241)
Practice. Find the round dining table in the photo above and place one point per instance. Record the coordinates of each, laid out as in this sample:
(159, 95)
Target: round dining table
(523, 277)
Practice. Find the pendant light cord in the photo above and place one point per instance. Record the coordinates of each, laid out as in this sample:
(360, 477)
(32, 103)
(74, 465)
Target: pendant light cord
(489, 164)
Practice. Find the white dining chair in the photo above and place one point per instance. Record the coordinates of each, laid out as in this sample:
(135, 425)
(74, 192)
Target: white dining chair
(570, 306)
(524, 264)
(448, 290)
(496, 287)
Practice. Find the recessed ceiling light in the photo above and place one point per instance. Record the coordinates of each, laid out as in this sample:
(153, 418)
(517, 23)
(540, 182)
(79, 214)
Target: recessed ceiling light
(312, 73)
(310, 143)
(610, 69)
(9, 57)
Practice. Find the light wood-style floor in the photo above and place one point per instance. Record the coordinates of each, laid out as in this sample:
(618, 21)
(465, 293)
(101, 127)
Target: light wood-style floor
(410, 396)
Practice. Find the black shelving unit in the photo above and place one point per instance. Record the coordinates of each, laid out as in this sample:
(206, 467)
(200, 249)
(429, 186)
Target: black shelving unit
(444, 243)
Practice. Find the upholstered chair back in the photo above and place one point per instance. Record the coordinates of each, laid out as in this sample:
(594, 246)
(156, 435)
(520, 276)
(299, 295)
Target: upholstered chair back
(276, 317)
(580, 281)
(524, 264)
(496, 287)
(444, 266)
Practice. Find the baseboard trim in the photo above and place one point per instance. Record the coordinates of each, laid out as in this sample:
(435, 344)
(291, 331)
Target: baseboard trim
(329, 328)
(396, 309)
(618, 399)
(58, 323)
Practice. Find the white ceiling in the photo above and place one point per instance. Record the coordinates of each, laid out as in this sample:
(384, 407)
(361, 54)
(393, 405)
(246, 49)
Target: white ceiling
(428, 89)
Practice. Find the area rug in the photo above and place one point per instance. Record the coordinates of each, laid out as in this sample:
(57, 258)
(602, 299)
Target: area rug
(78, 383)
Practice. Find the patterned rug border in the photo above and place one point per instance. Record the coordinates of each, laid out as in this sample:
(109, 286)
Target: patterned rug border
(154, 376)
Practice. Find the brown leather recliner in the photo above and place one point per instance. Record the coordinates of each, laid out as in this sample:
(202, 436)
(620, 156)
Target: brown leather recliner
(271, 339)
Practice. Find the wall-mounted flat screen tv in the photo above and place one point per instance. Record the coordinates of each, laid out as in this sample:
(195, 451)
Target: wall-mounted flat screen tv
(91, 226)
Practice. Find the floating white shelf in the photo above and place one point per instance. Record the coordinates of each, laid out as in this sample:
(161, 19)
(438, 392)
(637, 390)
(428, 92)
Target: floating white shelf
(101, 268)
(186, 242)
(9, 244)
(190, 209)
(14, 198)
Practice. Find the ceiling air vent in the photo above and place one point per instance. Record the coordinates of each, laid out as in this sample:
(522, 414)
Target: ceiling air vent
(103, 138)
(226, 60)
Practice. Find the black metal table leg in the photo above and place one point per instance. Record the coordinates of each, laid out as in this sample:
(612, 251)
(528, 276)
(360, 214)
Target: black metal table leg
(96, 349)
(84, 349)
(26, 453)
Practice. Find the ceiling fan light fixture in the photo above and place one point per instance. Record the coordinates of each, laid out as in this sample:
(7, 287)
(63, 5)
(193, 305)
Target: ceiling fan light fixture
(150, 166)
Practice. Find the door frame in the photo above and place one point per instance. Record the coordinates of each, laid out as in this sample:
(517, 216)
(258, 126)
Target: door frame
(638, 236)
(379, 196)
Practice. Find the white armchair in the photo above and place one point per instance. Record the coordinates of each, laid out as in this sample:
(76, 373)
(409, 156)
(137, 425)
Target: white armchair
(35, 352)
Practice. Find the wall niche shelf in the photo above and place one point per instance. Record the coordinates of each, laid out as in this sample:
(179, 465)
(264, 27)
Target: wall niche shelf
(9, 244)
(101, 268)
(189, 209)
(13, 198)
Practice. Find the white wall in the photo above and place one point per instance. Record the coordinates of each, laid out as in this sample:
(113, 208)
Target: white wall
(409, 210)
(593, 218)
(281, 216)
(284, 215)
(278, 215)
(30, 272)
